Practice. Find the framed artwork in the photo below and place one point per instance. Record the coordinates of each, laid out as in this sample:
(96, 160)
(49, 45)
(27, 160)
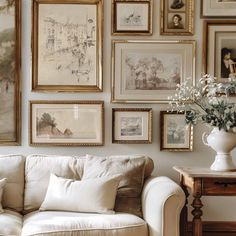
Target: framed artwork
(219, 53)
(176, 135)
(67, 49)
(10, 60)
(149, 71)
(218, 8)
(132, 125)
(132, 17)
(177, 17)
(70, 123)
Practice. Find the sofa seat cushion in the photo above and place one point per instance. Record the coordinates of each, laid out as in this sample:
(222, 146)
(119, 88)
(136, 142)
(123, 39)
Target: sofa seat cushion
(82, 224)
(10, 223)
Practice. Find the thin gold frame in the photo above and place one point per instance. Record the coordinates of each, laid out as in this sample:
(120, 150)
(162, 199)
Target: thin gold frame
(99, 52)
(162, 122)
(17, 98)
(131, 32)
(99, 103)
(189, 12)
(138, 110)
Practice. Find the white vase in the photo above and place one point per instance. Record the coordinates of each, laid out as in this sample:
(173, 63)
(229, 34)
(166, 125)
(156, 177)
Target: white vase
(223, 143)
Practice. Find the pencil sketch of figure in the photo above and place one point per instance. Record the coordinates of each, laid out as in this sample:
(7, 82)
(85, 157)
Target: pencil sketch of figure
(132, 17)
(7, 69)
(67, 44)
(177, 4)
(131, 126)
(152, 71)
(176, 131)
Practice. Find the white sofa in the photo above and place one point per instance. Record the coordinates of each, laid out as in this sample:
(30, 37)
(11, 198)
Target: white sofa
(27, 182)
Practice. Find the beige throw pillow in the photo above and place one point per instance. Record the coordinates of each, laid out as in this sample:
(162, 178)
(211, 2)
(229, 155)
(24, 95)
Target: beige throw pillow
(94, 195)
(2, 184)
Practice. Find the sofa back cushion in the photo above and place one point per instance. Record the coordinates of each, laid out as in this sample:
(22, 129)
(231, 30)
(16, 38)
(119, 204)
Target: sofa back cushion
(12, 168)
(37, 174)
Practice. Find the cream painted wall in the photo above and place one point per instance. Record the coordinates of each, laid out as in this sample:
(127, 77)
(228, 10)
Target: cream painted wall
(202, 156)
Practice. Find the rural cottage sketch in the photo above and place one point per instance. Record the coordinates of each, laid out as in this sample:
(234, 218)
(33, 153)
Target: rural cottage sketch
(67, 44)
(149, 71)
(7, 70)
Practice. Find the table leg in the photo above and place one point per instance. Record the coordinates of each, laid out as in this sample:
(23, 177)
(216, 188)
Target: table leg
(197, 213)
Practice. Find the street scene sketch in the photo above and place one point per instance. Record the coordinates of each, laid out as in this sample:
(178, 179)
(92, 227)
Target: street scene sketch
(7, 70)
(65, 124)
(67, 44)
(152, 71)
(131, 126)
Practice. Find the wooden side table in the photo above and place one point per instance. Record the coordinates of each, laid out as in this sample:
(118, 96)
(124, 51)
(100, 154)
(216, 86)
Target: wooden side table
(203, 182)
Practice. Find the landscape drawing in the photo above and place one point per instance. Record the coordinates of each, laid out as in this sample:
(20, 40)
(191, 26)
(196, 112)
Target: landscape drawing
(7, 70)
(65, 124)
(152, 71)
(67, 46)
(131, 126)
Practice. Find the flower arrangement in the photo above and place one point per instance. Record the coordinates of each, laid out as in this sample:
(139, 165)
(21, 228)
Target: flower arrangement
(207, 102)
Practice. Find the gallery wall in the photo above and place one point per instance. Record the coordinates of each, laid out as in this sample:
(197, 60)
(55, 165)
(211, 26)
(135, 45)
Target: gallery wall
(202, 156)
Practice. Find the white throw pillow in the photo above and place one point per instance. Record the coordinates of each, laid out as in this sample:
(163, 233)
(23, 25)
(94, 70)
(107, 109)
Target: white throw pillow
(2, 184)
(92, 195)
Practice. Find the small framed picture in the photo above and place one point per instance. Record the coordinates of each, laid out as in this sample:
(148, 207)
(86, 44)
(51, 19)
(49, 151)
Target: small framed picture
(67, 45)
(219, 52)
(177, 17)
(132, 17)
(176, 135)
(71, 123)
(132, 125)
(149, 71)
(218, 8)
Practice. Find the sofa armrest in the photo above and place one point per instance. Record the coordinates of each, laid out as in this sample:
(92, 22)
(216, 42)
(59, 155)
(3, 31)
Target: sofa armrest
(162, 202)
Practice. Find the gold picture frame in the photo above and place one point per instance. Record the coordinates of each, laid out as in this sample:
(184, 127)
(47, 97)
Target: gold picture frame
(177, 17)
(141, 69)
(219, 40)
(132, 17)
(10, 67)
(176, 135)
(66, 123)
(132, 125)
(67, 49)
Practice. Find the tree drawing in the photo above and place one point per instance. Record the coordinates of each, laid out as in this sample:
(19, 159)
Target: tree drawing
(45, 121)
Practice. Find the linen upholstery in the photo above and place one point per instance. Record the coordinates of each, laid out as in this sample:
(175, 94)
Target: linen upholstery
(50, 223)
(2, 185)
(37, 174)
(10, 223)
(12, 168)
(132, 171)
(92, 195)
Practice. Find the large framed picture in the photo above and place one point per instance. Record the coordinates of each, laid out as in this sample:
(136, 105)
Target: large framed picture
(132, 17)
(176, 135)
(149, 71)
(67, 45)
(10, 58)
(70, 123)
(177, 17)
(219, 53)
(218, 8)
(132, 125)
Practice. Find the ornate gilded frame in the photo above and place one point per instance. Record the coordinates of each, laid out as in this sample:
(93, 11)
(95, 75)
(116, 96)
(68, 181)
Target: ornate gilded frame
(10, 97)
(82, 66)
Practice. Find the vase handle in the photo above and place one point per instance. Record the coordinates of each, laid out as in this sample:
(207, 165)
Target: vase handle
(204, 138)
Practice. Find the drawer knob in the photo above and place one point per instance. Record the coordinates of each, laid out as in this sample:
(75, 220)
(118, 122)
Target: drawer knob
(225, 184)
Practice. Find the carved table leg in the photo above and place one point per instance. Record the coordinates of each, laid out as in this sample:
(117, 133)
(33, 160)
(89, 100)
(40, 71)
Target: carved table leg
(197, 212)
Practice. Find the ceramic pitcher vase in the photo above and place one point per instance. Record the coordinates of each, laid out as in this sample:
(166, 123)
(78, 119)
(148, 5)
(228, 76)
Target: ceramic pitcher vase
(223, 143)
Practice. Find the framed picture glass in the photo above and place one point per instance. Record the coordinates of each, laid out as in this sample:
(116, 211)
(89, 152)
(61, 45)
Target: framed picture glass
(218, 8)
(176, 135)
(132, 125)
(149, 71)
(177, 17)
(67, 45)
(132, 17)
(10, 57)
(71, 123)
(219, 55)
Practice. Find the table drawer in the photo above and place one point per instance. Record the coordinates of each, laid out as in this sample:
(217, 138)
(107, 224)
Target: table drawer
(221, 186)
